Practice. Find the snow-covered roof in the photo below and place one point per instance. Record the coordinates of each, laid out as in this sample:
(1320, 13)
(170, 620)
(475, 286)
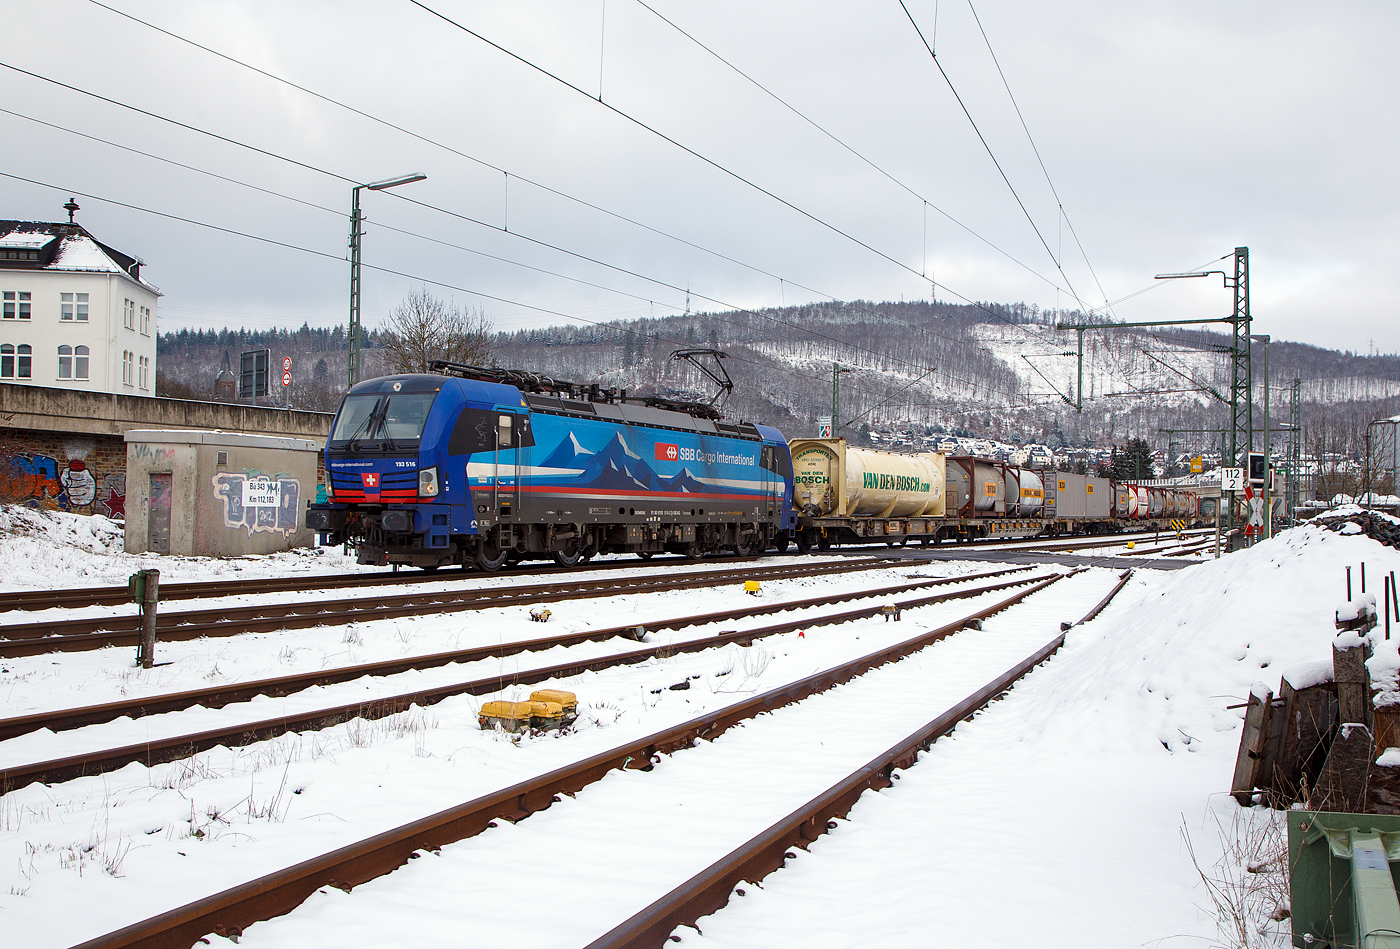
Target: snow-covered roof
(83, 253)
(24, 240)
(64, 247)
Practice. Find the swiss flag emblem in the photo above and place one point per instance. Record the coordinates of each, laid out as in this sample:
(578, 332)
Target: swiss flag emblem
(370, 480)
(667, 452)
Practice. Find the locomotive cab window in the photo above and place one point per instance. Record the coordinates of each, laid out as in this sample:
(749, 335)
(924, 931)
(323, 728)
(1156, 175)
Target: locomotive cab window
(391, 422)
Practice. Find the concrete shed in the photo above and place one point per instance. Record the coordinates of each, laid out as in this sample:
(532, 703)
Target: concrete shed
(217, 494)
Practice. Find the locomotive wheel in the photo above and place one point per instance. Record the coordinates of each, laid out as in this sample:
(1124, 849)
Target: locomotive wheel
(746, 548)
(490, 558)
(781, 541)
(568, 558)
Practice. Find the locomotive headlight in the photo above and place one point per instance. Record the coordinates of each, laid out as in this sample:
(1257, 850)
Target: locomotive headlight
(428, 482)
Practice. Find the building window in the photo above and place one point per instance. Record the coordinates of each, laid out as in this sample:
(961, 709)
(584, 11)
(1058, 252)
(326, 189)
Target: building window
(73, 307)
(72, 362)
(129, 314)
(15, 362)
(145, 367)
(145, 321)
(16, 304)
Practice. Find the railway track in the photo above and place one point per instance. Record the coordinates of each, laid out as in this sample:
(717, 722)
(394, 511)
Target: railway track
(1077, 542)
(174, 748)
(73, 597)
(70, 598)
(710, 889)
(29, 639)
(229, 912)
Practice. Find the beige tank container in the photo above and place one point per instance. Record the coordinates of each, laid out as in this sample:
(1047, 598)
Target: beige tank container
(832, 480)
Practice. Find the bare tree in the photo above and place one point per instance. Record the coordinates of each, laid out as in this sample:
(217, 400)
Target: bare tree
(424, 327)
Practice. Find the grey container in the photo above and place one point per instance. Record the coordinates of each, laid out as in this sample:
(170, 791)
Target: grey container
(1098, 498)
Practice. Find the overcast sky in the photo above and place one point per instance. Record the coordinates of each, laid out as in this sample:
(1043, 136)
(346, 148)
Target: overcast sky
(1172, 133)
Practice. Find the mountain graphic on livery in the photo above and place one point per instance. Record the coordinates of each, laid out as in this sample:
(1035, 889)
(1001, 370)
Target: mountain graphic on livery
(616, 467)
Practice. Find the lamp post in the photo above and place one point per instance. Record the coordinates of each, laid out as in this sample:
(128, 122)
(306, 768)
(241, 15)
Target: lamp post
(355, 234)
(1241, 378)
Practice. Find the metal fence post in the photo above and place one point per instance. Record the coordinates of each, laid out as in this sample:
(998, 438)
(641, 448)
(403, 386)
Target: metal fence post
(145, 590)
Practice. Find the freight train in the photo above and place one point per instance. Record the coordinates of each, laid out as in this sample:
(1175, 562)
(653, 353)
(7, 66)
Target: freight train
(468, 465)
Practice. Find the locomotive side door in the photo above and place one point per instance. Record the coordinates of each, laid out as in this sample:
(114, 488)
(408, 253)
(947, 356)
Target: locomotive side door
(512, 435)
(771, 487)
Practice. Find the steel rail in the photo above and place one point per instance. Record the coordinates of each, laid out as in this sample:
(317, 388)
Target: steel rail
(1051, 544)
(30, 639)
(72, 597)
(177, 747)
(1070, 543)
(229, 912)
(221, 695)
(709, 889)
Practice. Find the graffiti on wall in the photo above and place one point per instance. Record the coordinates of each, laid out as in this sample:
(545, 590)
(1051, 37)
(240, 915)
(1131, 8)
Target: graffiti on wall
(112, 496)
(151, 453)
(43, 481)
(280, 516)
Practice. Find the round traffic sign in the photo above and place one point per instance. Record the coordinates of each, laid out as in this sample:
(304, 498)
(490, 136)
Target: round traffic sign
(286, 363)
(286, 378)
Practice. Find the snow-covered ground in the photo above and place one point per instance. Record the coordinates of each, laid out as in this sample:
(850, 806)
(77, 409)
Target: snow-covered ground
(1071, 800)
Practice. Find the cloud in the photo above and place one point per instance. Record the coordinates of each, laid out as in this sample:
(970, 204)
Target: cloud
(1172, 134)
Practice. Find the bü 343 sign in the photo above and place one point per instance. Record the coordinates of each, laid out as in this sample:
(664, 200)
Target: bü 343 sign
(262, 492)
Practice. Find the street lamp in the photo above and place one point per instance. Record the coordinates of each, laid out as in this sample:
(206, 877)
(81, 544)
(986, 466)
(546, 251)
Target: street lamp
(1241, 376)
(355, 234)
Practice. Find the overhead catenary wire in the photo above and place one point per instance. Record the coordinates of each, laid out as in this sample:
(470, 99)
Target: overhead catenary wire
(486, 224)
(507, 174)
(329, 100)
(410, 276)
(1030, 138)
(848, 147)
(1030, 220)
(321, 207)
(715, 164)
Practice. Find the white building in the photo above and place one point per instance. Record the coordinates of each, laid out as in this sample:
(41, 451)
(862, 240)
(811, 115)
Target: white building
(74, 312)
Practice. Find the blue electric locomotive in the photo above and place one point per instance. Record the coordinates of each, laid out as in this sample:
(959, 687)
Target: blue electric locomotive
(485, 466)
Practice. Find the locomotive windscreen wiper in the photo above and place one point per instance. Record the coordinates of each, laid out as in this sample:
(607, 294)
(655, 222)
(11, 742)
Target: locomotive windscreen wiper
(372, 423)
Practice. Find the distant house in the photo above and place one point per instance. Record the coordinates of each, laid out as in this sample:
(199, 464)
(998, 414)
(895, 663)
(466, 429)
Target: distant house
(75, 313)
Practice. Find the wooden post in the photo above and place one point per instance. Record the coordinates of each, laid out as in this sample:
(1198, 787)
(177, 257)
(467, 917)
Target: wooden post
(1257, 727)
(1349, 654)
(1343, 783)
(146, 653)
(1310, 716)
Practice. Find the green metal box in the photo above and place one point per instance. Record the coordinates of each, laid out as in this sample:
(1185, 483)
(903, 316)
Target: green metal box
(1342, 879)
